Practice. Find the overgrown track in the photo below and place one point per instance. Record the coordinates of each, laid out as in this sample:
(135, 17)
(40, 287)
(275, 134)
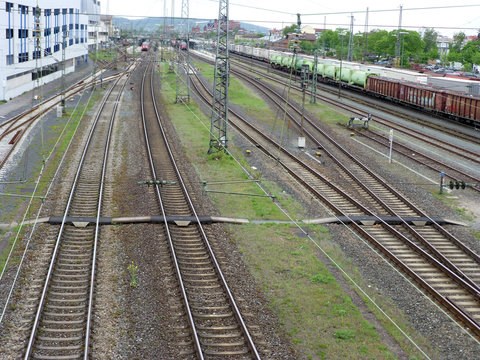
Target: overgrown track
(436, 260)
(210, 323)
(62, 320)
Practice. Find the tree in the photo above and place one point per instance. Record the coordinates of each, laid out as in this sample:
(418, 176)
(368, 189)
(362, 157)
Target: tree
(306, 46)
(290, 29)
(458, 40)
(430, 37)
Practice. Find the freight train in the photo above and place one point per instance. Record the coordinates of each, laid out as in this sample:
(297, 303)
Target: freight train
(405, 87)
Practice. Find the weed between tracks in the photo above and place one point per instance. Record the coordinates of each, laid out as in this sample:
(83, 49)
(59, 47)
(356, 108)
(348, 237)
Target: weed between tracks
(315, 313)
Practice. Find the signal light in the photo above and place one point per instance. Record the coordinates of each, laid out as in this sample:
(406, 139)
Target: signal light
(457, 184)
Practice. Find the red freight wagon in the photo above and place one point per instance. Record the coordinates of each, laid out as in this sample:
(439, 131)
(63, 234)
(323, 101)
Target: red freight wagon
(382, 86)
(460, 106)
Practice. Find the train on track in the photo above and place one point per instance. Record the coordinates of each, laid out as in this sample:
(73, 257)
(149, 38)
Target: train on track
(145, 45)
(438, 95)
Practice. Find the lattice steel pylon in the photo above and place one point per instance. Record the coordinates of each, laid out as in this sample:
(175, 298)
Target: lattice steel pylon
(219, 117)
(183, 62)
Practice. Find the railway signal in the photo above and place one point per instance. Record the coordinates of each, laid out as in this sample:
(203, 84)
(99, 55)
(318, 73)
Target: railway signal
(457, 184)
(453, 184)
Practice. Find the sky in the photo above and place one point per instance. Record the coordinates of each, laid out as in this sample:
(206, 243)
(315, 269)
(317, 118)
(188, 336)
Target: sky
(278, 13)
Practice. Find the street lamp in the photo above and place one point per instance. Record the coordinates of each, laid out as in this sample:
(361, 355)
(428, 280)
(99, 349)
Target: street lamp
(403, 45)
(342, 34)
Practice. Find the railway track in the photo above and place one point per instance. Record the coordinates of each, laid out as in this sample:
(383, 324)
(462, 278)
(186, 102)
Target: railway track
(13, 129)
(58, 321)
(434, 163)
(357, 99)
(468, 151)
(437, 261)
(212, 324)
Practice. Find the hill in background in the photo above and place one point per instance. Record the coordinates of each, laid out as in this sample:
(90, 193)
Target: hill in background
(151, 24)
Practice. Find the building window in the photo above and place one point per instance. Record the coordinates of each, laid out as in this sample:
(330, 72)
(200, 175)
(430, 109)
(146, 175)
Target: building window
(22, 33)
(9, 33)
(56, 48)
(23, 9)
(56, 11)
(56, 29)
(64, 11)
(8, 7)
(71, 11)
(37, 54)
(48, 51)
(71, 26)
(10, 59)
(22, 57)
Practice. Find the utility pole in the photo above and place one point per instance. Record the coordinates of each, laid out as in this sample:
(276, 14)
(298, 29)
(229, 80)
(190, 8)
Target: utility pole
(64, 45)
(324, 35)
(38, 51)
(304, 74)
(397, 44)
(219, 118)
(164, 40)
(365, 36)
(350, 40)
(183, 77)
(313, 92)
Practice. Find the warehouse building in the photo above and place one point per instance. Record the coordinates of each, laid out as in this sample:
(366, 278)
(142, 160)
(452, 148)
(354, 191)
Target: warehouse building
(40, 37)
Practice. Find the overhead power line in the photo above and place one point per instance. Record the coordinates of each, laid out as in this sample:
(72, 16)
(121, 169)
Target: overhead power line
(394, 10)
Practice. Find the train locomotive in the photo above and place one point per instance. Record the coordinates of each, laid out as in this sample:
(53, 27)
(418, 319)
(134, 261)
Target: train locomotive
(145, 46)
(405, 87)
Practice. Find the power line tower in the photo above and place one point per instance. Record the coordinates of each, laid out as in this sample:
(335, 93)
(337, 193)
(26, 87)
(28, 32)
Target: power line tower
(219, 118)
(365, 36)
(397, 44)
(183, 78)
(350, 40)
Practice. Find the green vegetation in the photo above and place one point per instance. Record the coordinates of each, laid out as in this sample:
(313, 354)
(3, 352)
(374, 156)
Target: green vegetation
(102, 55)
(380, 44)
(133, 269)
(317, 316)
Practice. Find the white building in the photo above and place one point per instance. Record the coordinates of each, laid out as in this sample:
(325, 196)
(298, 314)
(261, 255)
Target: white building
(31, 50)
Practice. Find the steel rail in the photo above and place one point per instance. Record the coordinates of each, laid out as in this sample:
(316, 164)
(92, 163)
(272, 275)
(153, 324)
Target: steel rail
(197, 344)
(325, 87)
(30, 121)
(431, 167)
(237, 313)
(62, 226)
(97, 221)
(441, 144)
(444, 232)
(455, 309)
